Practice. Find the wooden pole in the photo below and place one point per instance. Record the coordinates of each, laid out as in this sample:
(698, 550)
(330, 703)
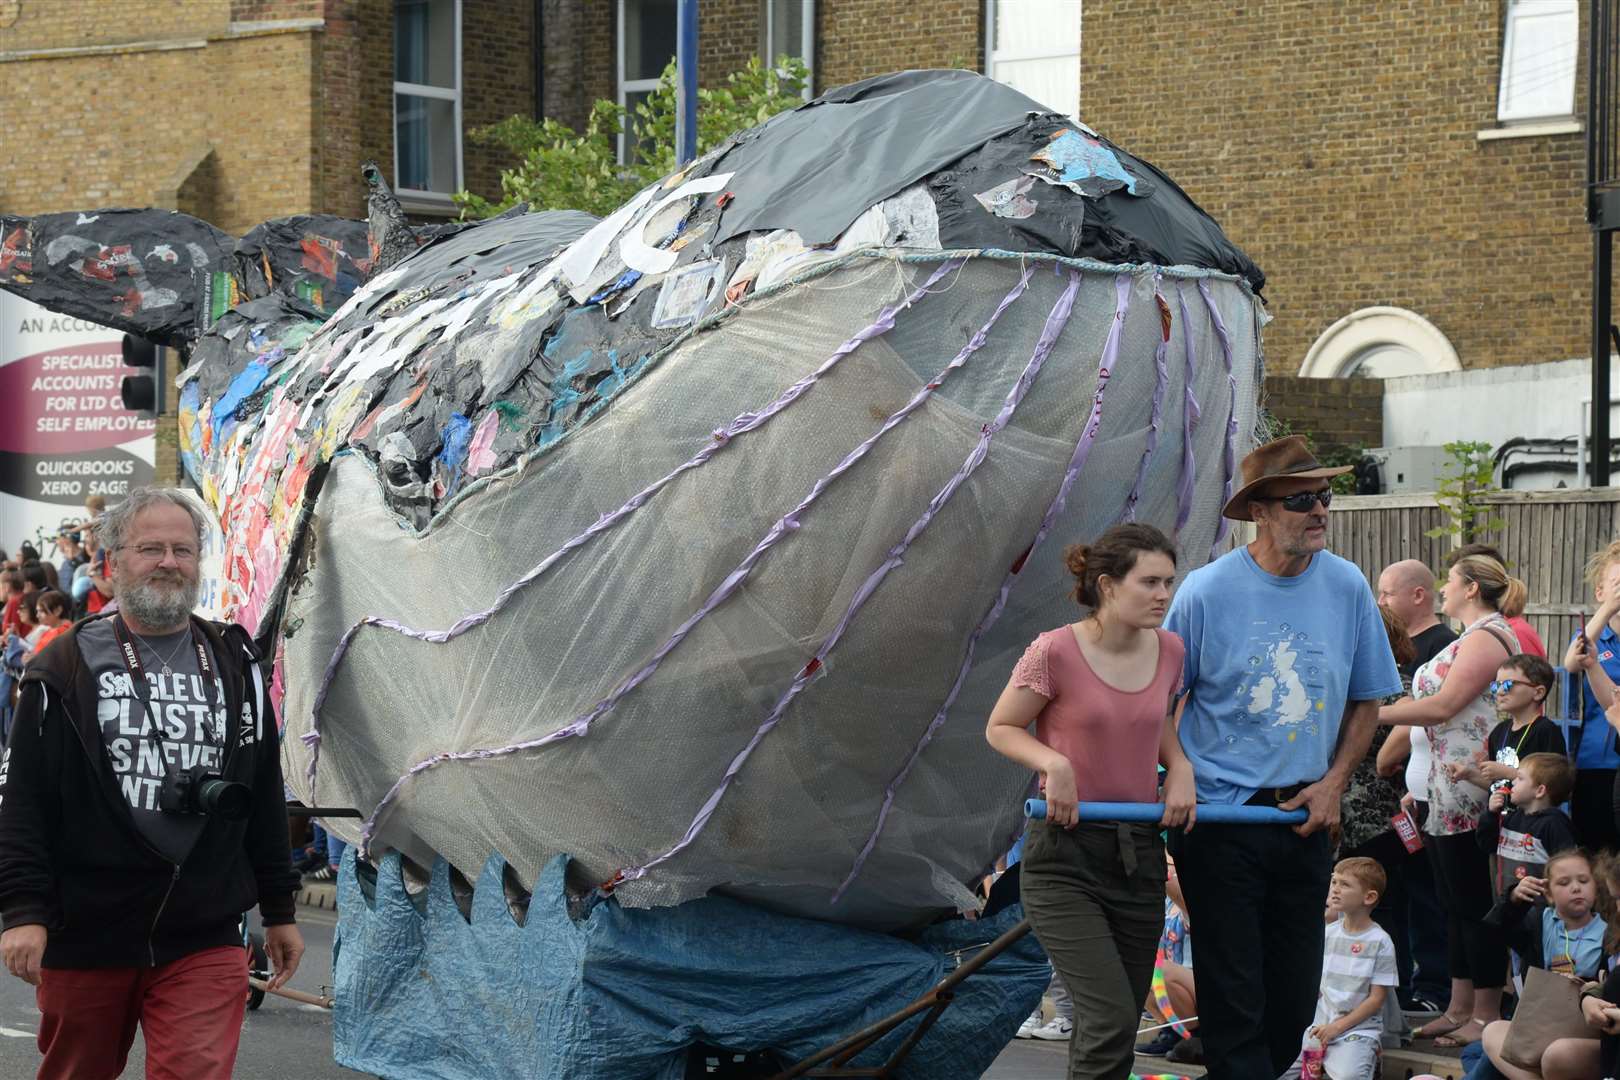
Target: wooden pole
(291, 995)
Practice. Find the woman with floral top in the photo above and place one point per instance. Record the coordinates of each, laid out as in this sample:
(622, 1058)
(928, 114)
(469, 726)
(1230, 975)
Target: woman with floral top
(1451, 697)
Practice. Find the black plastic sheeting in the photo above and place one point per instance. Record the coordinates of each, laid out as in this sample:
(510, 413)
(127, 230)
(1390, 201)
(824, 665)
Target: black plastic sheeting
(817, 168)
(1164, 227)
(169, 277)
(318, 258)
(147, 272)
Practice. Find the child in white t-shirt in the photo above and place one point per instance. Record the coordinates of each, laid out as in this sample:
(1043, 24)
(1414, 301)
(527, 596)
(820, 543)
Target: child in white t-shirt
(1358, 973)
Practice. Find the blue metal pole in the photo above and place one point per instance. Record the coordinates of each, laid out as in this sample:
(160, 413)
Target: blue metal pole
(686, 80)
(1215, 813)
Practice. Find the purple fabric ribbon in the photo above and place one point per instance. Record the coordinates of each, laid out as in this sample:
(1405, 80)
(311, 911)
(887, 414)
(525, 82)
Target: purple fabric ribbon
(1229, 459)
(1190, 416)
(746, 422)
(1161, 380)
(1055, 322)
(1077, 462)
(721, 438)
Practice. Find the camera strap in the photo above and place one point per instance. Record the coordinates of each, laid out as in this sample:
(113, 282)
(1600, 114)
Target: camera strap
(131, 656)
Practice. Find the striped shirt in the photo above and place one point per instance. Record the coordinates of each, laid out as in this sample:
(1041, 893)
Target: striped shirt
(1352, 964)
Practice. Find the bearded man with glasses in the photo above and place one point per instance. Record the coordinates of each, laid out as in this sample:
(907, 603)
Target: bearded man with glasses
(1287, 659)
(141, 812)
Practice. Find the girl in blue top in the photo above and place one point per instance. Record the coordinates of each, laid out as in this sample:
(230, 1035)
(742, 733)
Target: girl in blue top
(1595, 652)
(1552, 923)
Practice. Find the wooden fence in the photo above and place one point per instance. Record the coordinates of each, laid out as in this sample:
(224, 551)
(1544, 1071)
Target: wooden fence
(1546, 538)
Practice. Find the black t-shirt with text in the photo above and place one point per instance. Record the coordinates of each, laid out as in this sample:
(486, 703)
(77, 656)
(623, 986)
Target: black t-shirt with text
(180, 701)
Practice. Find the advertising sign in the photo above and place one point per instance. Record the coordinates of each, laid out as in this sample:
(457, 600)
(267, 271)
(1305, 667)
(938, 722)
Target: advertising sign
(64, 433)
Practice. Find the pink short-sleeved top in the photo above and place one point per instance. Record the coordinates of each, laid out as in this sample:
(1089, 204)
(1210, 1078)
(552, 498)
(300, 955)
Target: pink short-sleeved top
(1111, 737)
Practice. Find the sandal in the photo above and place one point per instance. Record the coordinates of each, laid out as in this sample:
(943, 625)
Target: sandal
(1440, 1025)
(1456, 1040)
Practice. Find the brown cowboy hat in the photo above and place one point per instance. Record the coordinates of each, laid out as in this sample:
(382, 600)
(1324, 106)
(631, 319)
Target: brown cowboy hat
(1287, 458)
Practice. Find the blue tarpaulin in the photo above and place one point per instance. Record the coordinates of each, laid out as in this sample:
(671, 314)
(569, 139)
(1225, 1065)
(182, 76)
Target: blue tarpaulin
(620, 994)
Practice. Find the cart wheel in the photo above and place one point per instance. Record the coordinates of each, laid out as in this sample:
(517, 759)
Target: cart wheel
(258, 967)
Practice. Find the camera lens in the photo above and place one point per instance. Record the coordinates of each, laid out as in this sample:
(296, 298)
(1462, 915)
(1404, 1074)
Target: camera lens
(224, 798)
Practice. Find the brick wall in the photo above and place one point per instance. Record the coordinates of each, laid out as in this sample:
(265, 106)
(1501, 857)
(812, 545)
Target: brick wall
(730, 33)
(1336, 144)
(856, 39)
(566, 65)
(497, 81)
(62, 24)
(598, 49)
(144, 126)
(354, 101)
(275, 10)
(1334, 412)
(265, 167)
(117, 127)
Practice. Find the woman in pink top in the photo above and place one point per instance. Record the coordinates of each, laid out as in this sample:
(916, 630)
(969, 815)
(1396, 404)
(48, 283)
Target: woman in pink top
(1100, 693)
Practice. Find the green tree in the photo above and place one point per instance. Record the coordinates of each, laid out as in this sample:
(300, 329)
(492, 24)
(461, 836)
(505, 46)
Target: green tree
(563, 169)
(1469, 476)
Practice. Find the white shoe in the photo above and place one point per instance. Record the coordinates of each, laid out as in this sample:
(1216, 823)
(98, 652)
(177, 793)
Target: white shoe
(1027, 1028)
(1057, 1028)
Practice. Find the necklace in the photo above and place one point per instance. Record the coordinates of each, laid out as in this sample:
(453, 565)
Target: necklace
(168, 662)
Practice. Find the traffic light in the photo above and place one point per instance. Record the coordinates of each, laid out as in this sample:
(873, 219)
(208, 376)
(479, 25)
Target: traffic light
(143, 393)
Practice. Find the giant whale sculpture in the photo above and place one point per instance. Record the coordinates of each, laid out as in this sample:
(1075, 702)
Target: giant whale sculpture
(695, 543)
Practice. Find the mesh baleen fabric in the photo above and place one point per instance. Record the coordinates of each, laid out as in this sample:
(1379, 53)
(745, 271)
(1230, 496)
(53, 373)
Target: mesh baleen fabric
(790, 829)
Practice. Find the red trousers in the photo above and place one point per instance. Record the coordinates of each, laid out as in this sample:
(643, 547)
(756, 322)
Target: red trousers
(190, 1011)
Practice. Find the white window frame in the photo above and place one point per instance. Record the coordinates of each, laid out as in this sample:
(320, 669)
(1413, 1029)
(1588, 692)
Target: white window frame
(1570, 8)
(626, 88)
(807, 31)
(992, 56)
(416, 196)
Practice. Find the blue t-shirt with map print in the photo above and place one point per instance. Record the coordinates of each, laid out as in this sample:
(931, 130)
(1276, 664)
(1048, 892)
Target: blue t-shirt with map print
(1271, 662)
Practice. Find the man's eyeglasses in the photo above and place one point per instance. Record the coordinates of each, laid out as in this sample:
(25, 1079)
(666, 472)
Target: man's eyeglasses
(1502, 686)
(154, 552)
(1300, 502)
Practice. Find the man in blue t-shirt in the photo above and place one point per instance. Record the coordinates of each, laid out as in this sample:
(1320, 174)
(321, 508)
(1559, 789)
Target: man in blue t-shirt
(1287, 658)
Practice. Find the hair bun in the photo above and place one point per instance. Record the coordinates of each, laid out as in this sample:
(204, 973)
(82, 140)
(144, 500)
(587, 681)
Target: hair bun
(1075, 559)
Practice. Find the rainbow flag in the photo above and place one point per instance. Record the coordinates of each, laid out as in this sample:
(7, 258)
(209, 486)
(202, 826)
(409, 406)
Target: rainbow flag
(1161, 997)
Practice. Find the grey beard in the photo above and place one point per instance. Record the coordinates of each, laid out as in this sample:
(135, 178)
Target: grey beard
(158, 607)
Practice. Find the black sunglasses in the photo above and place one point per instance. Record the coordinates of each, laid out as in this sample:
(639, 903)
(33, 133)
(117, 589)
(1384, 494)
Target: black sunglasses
(1301, 501)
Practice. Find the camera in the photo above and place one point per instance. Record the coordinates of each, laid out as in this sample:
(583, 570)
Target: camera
(198, 791)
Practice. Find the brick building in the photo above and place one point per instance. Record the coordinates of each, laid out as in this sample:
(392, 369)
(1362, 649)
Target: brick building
(1411, 177)
(238, 111)
(241, 110)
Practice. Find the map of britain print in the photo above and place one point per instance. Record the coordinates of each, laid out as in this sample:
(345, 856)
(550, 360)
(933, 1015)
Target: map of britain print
(1283, 687)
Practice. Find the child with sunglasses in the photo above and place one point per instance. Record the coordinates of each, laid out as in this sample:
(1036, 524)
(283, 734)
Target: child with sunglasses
(1520, 690)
